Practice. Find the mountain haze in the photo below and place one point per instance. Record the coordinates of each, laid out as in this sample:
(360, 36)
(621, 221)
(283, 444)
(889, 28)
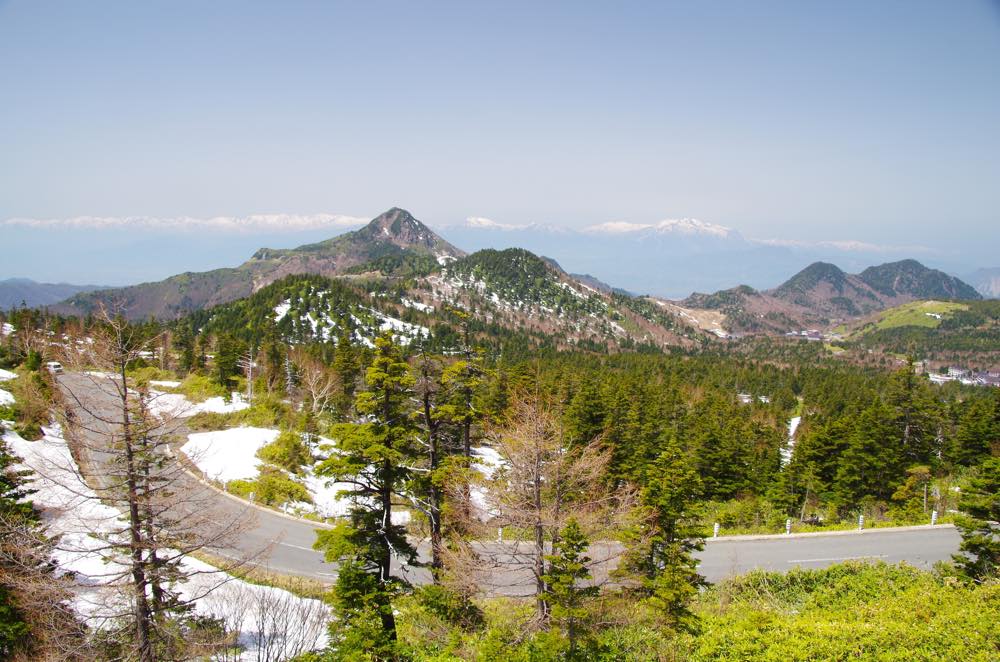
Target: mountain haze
(15, 291)
(823, 293)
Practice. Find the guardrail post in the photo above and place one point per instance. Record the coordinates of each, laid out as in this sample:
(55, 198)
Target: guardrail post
(861, 522)
(933, 517)
(788, 526)
(500, 534)
(715, 530)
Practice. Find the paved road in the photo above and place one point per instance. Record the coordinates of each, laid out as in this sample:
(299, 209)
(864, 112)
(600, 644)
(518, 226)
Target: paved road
(284, 545)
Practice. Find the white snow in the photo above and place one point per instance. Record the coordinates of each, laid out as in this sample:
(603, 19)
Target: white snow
(486, 461)
(227, 455)
(403, 332)
(266, 618)
(422, 307)
(176, 405)
(6, 375)
(281, 310)
(6, 398)
(6, 329)
(786, 452)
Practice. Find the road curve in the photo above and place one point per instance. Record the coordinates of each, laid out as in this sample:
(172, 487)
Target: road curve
(284, 545)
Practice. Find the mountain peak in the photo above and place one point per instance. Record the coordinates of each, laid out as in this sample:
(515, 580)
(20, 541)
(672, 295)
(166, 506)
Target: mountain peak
(400, 227)
(813, 275)
(913, 279)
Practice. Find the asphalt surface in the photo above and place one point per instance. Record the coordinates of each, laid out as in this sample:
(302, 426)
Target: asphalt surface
(284, 545)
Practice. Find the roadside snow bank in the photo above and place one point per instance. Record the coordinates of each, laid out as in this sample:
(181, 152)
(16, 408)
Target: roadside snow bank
(231, 454)
(164, 383)
(486, 461)
(176, 405)
(227, 455)
(268, 620)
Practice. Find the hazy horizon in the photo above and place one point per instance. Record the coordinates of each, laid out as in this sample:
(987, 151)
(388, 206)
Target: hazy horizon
(787, 122)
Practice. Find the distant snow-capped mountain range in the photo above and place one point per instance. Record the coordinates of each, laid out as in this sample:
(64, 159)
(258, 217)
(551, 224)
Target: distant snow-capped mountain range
(672, 257)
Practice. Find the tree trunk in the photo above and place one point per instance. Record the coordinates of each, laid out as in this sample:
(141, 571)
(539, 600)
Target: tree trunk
(138, 571)
(434, 493)
(540, 602)
(385, 556)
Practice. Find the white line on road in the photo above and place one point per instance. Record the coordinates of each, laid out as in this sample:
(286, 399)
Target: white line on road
(287, 544)
(840, 558)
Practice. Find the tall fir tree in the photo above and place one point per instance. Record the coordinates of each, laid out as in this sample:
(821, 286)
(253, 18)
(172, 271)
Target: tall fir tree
(567, 591)
(661, 546)
(980, 525)
(376, 457)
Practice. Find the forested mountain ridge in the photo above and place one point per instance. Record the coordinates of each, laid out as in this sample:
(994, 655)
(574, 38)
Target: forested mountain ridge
(392, 241)
(503, 298)
(822, 294)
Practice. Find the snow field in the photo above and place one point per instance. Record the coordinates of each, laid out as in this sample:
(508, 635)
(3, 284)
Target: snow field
(227, 455)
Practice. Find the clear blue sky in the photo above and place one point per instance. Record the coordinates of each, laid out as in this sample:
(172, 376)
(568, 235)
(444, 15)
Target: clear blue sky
(877, 121)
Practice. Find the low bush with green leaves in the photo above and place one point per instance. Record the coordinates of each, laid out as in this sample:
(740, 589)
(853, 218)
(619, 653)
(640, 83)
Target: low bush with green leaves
(288, 451)
(273, 487)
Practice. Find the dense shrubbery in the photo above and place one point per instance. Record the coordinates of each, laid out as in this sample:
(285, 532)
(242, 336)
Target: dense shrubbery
(272, 487)
(848, 611)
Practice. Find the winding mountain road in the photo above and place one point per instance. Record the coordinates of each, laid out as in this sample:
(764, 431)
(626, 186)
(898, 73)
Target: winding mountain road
(283, 544)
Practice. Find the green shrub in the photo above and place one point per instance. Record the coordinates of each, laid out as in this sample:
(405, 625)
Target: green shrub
(272, 487)
(142, 376)
(31, 407)
(289, 451)
(199, 388)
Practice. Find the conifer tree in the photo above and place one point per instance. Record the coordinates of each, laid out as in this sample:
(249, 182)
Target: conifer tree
(980, 527)
(375, 456)
(566, 590)
(661, 546)
(872, 464)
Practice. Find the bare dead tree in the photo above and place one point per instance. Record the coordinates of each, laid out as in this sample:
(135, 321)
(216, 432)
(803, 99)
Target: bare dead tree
(247, 362)
(122, 443)
(320, 384)
(274, 624)
(541, 485)
(40, 594)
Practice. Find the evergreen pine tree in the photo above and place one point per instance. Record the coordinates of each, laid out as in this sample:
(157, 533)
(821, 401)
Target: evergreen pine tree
(660, 554)
(565, 591)
(979, 527)
(375, 457)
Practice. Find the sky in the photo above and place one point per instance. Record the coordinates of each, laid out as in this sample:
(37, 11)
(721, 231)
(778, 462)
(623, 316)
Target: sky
(798, 121)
